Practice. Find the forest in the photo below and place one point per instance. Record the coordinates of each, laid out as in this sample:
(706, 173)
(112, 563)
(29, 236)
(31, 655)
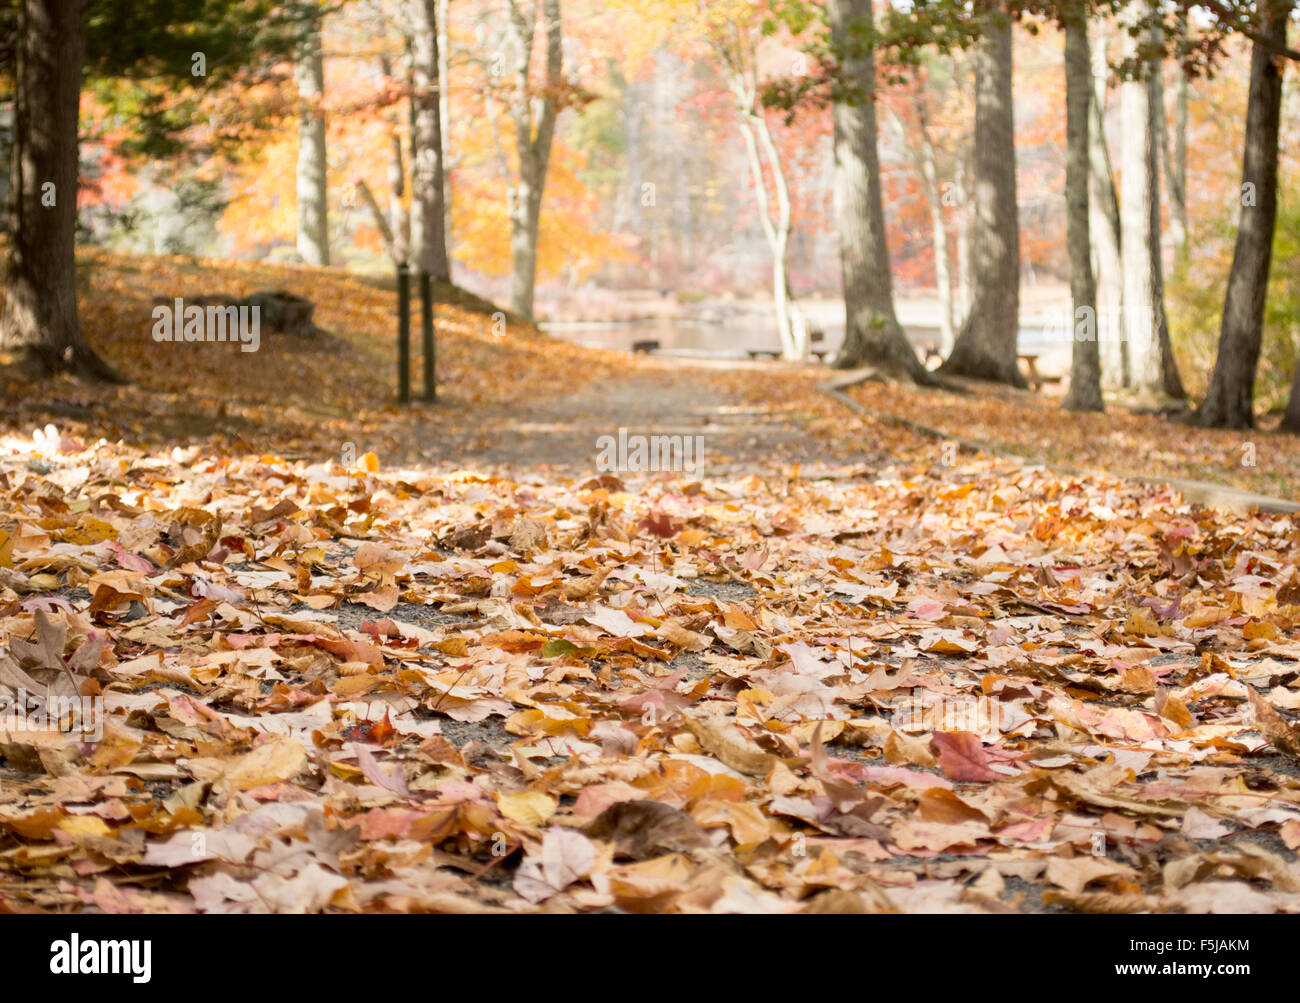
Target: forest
(650, 456)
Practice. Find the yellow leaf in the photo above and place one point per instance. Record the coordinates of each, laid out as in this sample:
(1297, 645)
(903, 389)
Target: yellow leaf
(269, 763)
(85, 825)
(531, 808)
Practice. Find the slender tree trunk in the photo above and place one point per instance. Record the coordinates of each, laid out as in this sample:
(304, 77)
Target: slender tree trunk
(313, 190)
(534, 149)
(923, 158)
(1103, 208)
(40, 324)
(1085, 367)
(399, 218)
(986, 348)
(1175, 152)
(430, 238)
(444, 121)
(961, 195)
(381, 221)
(753, 129)
(1230, 402)
(939, 231)
(1155, 375)
(872, 334)
(1291, 420)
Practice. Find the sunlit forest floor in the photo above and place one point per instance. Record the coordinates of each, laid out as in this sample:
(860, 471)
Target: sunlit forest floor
(341, 656)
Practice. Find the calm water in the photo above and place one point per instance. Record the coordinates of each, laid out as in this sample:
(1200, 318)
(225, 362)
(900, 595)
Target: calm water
(734, 336)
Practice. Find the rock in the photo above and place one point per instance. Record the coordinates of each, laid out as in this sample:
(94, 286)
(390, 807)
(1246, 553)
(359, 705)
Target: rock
(284, 312)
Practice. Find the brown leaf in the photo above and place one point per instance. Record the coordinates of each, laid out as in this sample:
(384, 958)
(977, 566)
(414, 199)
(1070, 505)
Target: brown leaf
(1274, 727)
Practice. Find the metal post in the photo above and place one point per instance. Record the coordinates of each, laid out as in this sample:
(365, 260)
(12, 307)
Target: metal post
(430, 346)
(403, 334)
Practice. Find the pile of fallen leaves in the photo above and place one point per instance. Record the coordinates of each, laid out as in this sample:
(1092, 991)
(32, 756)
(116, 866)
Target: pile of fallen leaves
(858, 689)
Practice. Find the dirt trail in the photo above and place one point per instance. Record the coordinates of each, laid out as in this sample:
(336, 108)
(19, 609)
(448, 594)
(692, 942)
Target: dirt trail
(654, 397)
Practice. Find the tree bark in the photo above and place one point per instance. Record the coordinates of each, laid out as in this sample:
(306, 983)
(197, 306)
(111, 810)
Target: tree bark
(533, 147)
(1085, 366)
(1155, 375)
(1291, 420)
(872, 335)
(986, 347)
(924, 160)
(754, 130)
(430, 237)
(961, 192)
(1230, 402)
(1105, 224)
(313, 191)
(1174, 149)
(444, 120)
(40, 324)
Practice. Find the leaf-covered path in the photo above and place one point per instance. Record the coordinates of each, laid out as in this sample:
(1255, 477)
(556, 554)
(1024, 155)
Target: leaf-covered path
(653, 397)
(501, 679)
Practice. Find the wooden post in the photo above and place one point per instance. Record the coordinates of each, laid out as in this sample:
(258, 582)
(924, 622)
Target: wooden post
(403, 334)
(430, 345)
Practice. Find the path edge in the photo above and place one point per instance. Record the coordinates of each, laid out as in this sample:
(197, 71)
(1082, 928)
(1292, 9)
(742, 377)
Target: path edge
(1204, 493)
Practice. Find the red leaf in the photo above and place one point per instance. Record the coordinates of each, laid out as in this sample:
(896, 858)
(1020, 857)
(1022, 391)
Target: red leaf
(962, 756)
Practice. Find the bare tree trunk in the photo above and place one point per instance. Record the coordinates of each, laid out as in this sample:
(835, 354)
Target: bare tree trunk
(986, 348)
(1103, 208)
(534, 148)
(430, 237)
(399, 218)
(961, 194)
(754, 130)
(313, 180)
(1230, 402)
(444, 120)
(40, 323)
(1155, 375)
(1175, 153)
(872, 334)
(1291, 420)
(381, 221)
(923, 158)
(1085, 366)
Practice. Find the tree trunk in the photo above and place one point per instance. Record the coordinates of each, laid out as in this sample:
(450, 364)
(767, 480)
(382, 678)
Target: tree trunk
(753, 127)
(1291, 420)
(40, 323)
(1155, 375)
(313, 191)
(1085, 366)
(960, 191)
(872, 335)
(923, 158)
(986, 347)
(444, 120)
(1230, 402)
(430, 238)
(534, 149)
(1103, 208)
(1175, 151)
